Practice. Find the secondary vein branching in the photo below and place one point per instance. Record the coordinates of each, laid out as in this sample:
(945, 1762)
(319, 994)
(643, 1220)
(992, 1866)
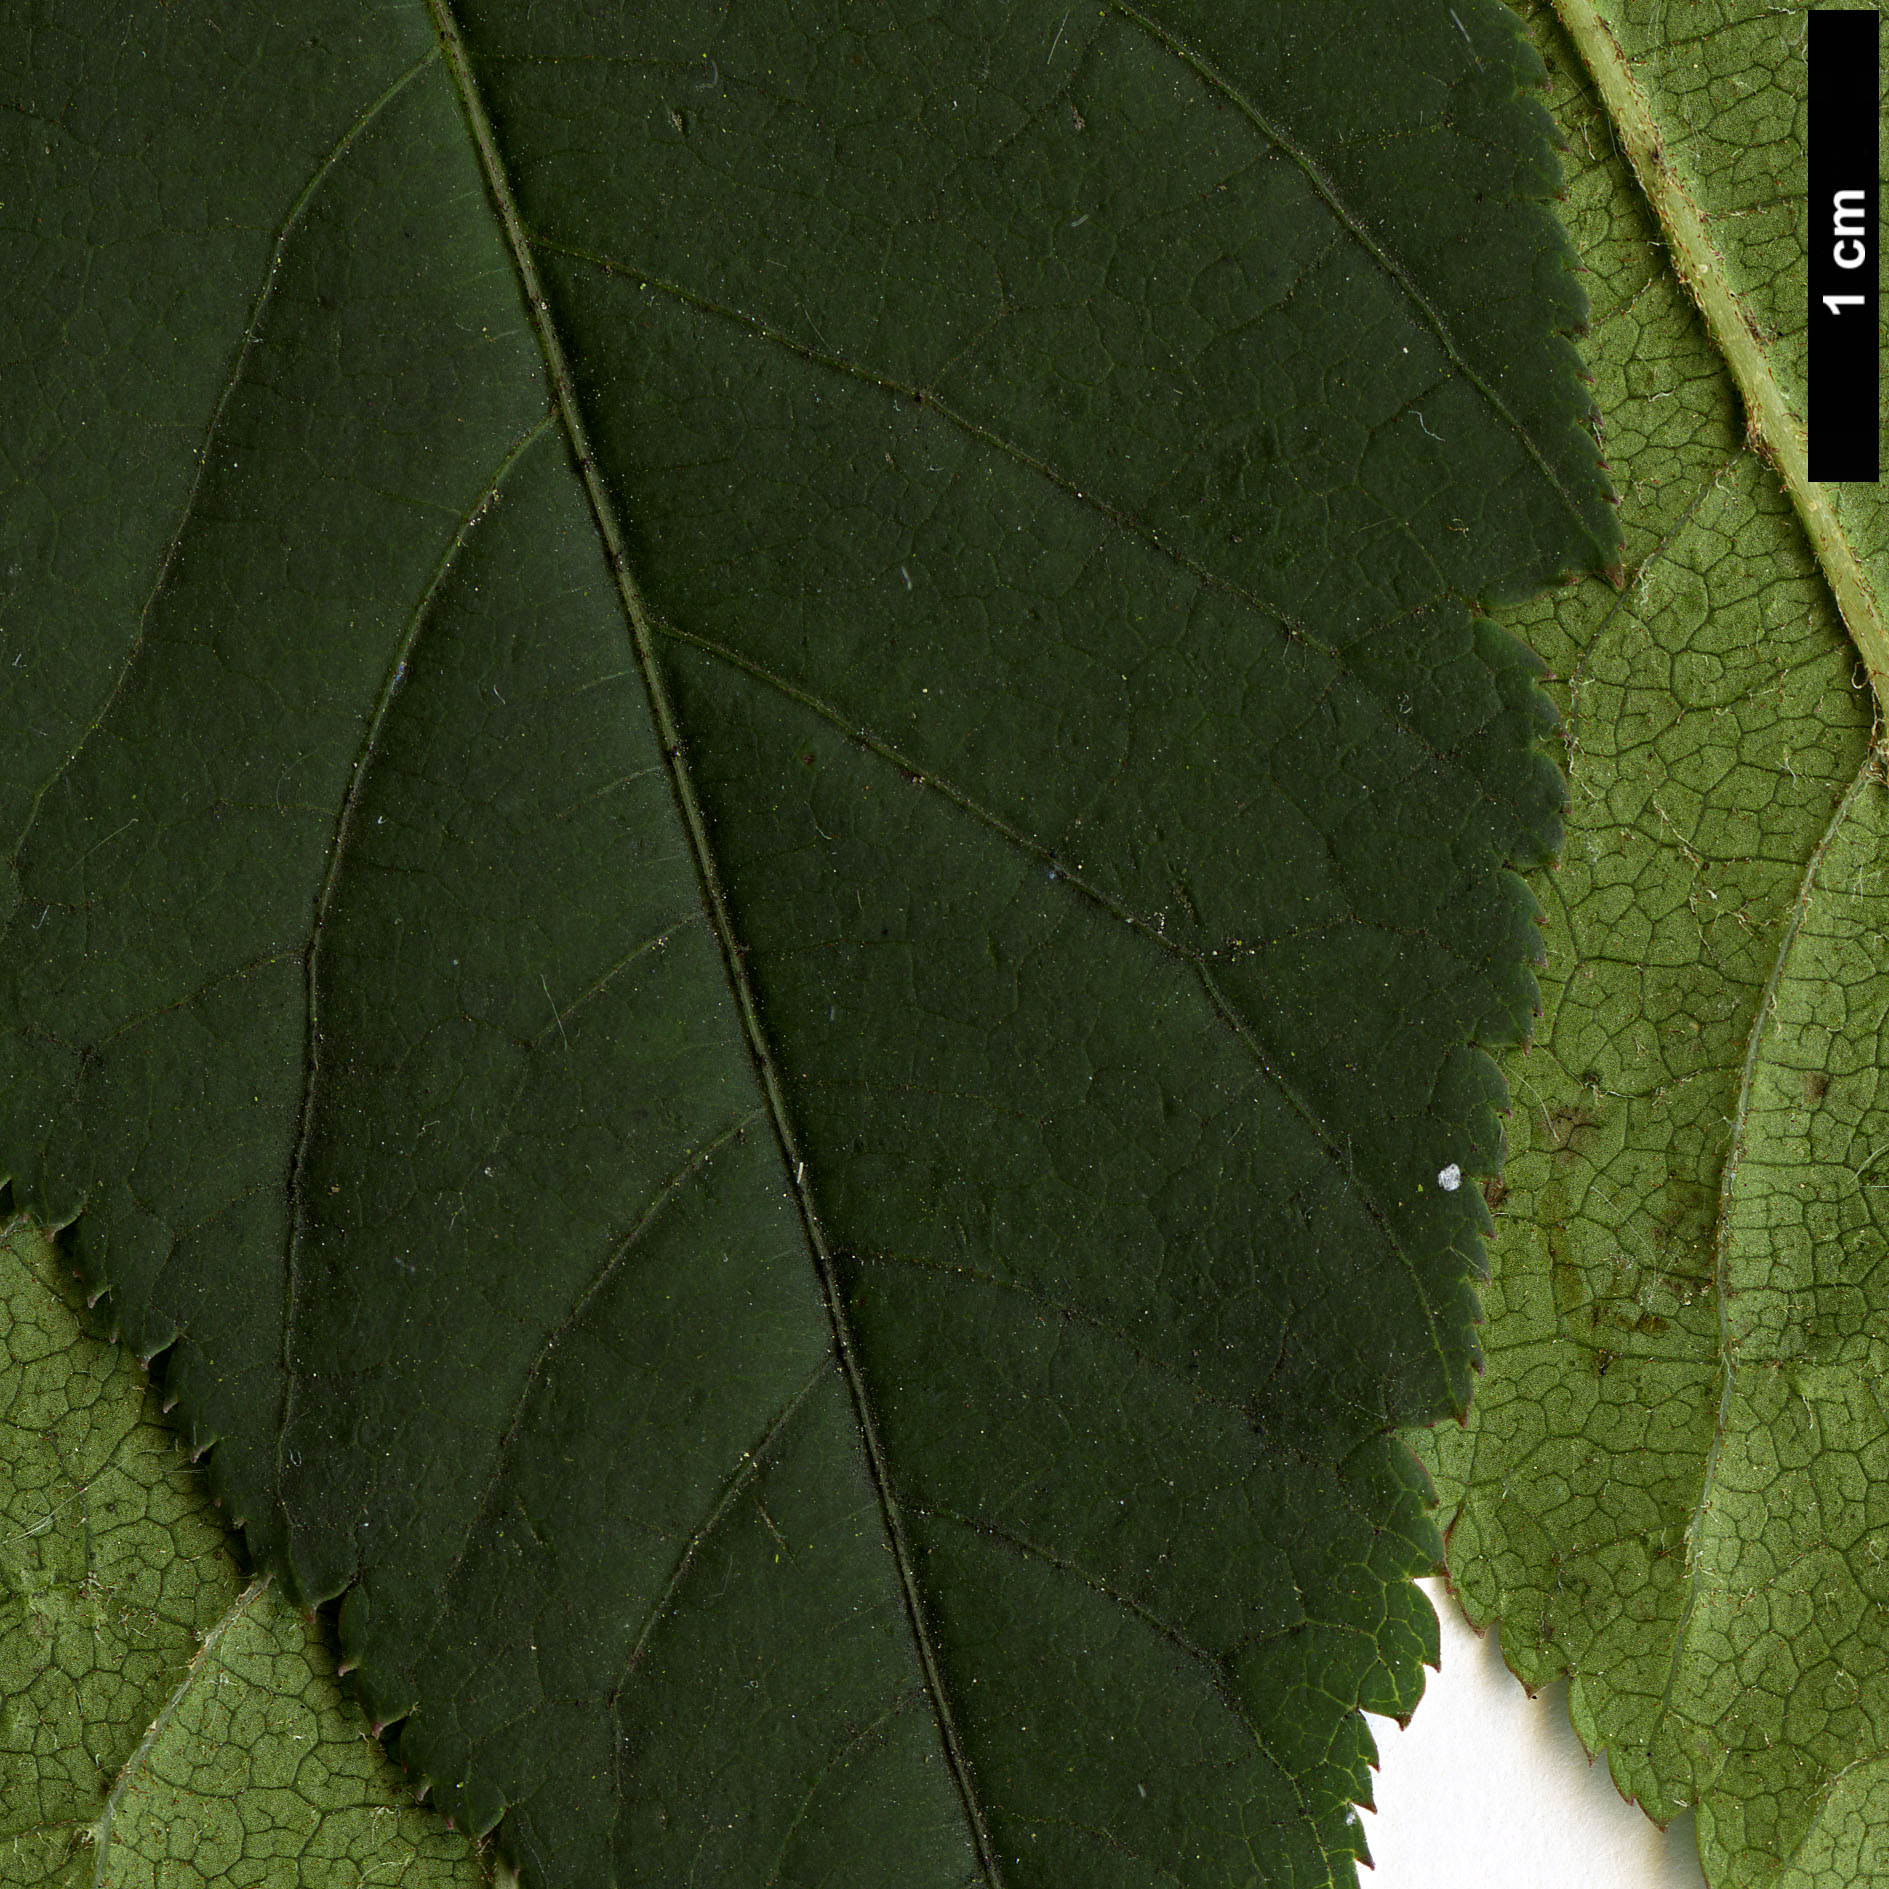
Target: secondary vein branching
(1355, 226)
(1138, 925)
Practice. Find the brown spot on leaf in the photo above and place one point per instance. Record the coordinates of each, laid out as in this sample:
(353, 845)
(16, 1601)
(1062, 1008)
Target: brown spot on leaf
(1572, 1128)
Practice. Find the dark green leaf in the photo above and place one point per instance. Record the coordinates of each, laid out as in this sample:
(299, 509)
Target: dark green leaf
(759, 840)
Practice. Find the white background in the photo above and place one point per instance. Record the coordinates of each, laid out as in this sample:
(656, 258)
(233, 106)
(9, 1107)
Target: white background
(1490, 1789)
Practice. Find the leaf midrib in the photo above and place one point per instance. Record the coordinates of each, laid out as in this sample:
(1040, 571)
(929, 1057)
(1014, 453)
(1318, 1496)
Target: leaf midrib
(644, 630)
(1135, 923)
(668, 733)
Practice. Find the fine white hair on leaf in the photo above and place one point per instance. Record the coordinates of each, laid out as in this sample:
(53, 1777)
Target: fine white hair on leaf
(1450, 1178)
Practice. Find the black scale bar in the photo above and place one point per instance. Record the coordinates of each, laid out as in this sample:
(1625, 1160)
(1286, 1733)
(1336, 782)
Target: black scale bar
(1844, 365)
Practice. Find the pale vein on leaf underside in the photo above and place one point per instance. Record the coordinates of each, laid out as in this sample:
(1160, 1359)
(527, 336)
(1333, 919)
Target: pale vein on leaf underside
(694, 824)
(1124, 522)
(1622, 600)
(1138, 926)
(1868, 776)
(204, 1656)
(1791, 1862)
(252, 331)
(694, 1165)
(378, 720)
(1571, 729)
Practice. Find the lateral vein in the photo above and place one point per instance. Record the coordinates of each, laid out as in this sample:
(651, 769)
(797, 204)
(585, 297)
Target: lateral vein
(1238, 1024)
(1115, 516)
(1353, 226)
(245, 348)
(390, 689)
(201, 1658)
(695, 1164)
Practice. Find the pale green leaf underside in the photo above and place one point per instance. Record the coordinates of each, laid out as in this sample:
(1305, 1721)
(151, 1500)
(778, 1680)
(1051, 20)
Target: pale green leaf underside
(165, 1727)
(1674, 1484)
